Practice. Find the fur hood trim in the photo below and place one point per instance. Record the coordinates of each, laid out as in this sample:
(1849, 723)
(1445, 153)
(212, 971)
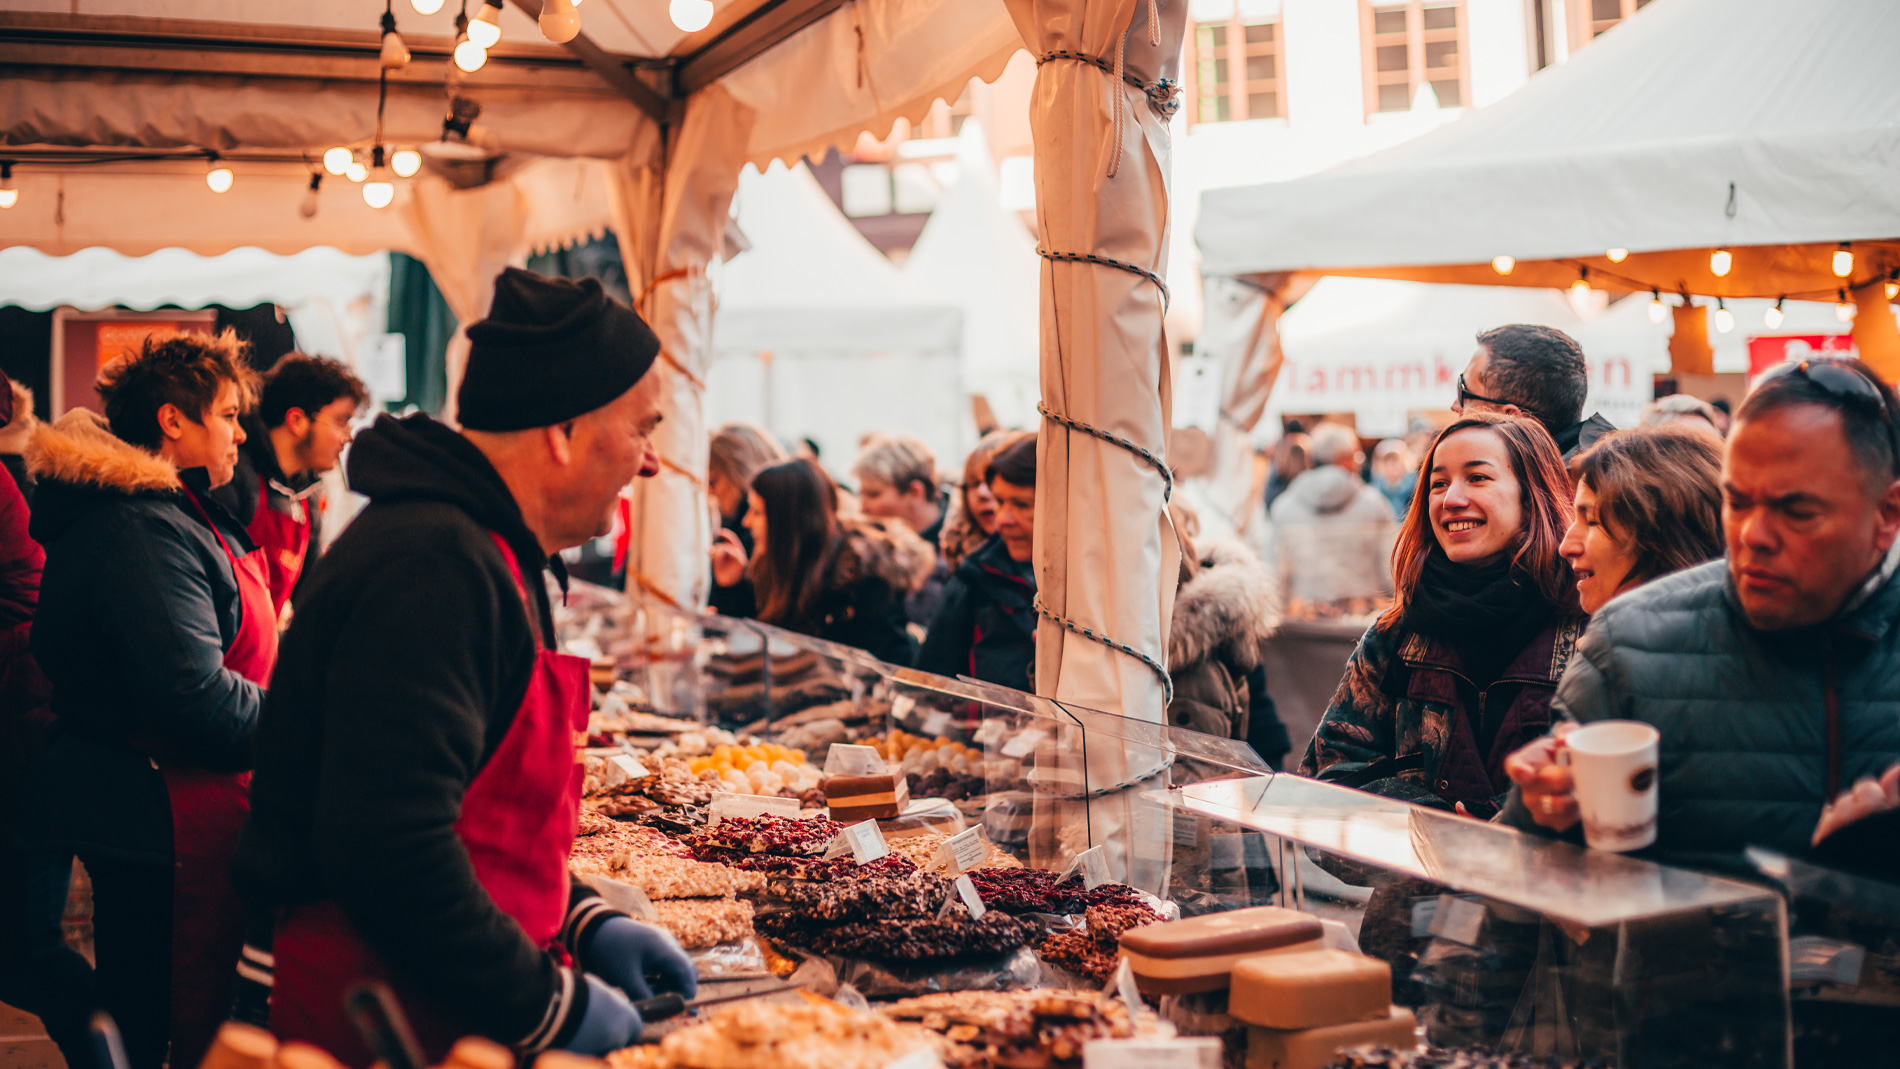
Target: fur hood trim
(880, 549)
(15, 435)
(79, 448)
(1230, 605)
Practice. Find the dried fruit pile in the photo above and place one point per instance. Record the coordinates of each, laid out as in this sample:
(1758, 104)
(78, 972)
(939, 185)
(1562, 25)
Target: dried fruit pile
(1022, 1029)
(1092, 950)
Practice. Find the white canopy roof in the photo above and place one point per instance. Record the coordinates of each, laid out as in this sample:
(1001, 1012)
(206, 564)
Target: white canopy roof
(242, 278)
(1633, 144)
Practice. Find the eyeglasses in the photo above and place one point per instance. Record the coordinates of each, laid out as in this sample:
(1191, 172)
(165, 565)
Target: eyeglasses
(1844, 383)
(341, 426)
(1466, 395)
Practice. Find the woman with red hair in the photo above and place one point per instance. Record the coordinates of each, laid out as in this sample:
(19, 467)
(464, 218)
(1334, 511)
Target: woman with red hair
(1459, 672)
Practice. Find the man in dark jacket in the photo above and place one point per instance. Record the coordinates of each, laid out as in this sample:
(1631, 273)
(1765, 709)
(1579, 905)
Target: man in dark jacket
(1773, 676)
(155, 630)
(298, 433)
(985, 626)
(1528, 370)
(418, 780)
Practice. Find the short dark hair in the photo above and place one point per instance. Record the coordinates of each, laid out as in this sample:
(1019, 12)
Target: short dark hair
(1015, 462)
(185, 370)
(1540, 370)
(308, 384)
(1870, 432)
(1659, 489)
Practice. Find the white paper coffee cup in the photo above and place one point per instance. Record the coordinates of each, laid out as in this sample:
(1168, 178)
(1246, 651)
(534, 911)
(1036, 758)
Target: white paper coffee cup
(1613, 763)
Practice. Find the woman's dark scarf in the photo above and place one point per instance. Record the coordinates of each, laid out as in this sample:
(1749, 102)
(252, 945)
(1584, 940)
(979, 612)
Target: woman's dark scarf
(1486, 614)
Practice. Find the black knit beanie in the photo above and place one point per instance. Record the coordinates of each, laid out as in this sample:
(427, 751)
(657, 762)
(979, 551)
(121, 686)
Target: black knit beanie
(551, 349)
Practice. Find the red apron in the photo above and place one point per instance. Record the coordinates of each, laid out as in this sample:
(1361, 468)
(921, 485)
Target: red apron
(283, 538)
(208, 811)
(517, 823)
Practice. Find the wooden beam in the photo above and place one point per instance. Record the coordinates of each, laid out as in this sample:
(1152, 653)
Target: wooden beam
(768, 25)
(610, 69)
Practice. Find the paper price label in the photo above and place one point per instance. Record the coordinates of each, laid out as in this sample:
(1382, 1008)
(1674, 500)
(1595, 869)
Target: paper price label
(972, 901)
(901, 706)
(625, 767)
(1458, 919)
(864, 841)
(1122, 985)
(749, 806)
(937, 724)
(963, 851)
(1024, 744)
(625, 897)
(846, 760)
(991, 732)
(1093, 864)
(1185, 1052)
(921, 1058)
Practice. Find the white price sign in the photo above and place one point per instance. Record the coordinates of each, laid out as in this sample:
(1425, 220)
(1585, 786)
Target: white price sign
(921, 1058)
(625, 897)
(749, 806)
(1093, 864)
(936, 724)
(864, 841)
(901, 706)
(963, 851)
(1185, 1052)
(1024, 744)
(846, 760)
(971, 900)
(624, 767)
(991, 732)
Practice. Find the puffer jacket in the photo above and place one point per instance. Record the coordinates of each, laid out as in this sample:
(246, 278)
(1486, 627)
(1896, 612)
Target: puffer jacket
(1222, 619)
(1744, 714)
(1405, 721)
(985, 627)
(1332, 537)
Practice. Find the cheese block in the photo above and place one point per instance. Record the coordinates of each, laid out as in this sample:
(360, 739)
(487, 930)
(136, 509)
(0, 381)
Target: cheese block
(1315, 1048)
(1190, 956)
(1310, 989)
(855, 798)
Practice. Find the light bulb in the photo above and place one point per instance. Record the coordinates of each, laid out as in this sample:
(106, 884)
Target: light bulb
(1843, 261)
(1720, 261)
(308, 209)
(219, 179)
(1617, 256)
(691, 15)
(395, 54)
(560, 23)
(1579, 290)
(486, 29)
(1772, 317)
(470, 56)
(1658, 311)
(406, 162)
(379, 193)
(356, 171)
(1893, 290)
(9, 194)
(426, 7)
(337, 160)
(1844, 311)
(1501, 264)
(1724, 320)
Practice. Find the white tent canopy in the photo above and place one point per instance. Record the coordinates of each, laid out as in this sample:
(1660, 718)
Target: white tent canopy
(101, 278)
(818, 335)
(1635, 144)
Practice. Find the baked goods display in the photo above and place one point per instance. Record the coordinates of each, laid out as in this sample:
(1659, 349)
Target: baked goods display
(760, 768)
(702, 922)
(1022, 1029)
(873, 797)
(1092, 950)
(1373, 1056)
(774, 836)
(859, 900)
(805, 1033)
(907, 938)
(1042, 891)
(1198, 954)
(921, 849)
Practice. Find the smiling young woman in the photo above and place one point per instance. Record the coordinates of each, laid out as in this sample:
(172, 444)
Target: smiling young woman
(1459, 672)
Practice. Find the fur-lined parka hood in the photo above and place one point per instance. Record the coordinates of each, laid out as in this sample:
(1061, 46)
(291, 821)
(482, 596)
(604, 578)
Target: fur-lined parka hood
(877, 549)
(15, 435)
(1229, 606)
(79, 449)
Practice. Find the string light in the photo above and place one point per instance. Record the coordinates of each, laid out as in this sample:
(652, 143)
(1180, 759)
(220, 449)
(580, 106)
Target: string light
(469, 56)
(1720, 261)
(378, 192)
(337, 160)
(486, 29)
(1617, 256)
(1724, 319)
(426, 7)
(9, 193)
(1501, 264)
(1772, 317)
(395, 54)
(356, 171)
(1844, 309)
(559, 22)
(406, 162)
(308, 209)
(217, 175)
(695, 15)
(1580, 289)
(1658, 311)
(1843, 261)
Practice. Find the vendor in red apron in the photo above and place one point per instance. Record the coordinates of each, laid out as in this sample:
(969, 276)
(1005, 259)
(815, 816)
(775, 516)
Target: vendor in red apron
(296, 434)
(156, 630)
(419, 774)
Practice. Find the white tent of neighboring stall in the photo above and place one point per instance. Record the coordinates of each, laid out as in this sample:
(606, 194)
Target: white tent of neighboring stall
(977, 253)
(818, 335)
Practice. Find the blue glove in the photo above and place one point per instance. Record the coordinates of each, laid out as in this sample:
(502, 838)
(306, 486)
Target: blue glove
(640, 959)
(609, 1024)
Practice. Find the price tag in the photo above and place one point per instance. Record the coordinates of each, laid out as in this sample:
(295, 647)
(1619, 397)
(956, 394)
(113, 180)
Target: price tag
(1024, 744)
(1187, 829)
(963, 851)
(623, 767)
(1122, 985)
(749, 806)
(1184, 1052)
(625, 897)
(937, 724)
(971, 900)
(991, 732)
(864, 841)
(921, 1058)
(901, 706)
(1093, 864)
(846, 760)
(1457, 919)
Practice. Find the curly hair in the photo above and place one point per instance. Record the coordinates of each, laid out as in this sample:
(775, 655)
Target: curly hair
(308, 384)
(182, 370)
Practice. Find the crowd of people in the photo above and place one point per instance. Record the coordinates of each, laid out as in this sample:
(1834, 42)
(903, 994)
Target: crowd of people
(270, 810)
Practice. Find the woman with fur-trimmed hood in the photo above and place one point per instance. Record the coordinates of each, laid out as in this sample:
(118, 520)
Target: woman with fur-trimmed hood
(1224, 612)
(814, 572)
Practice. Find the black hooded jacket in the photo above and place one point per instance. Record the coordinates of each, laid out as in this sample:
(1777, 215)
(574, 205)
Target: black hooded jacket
(399, 677)
(985, 626)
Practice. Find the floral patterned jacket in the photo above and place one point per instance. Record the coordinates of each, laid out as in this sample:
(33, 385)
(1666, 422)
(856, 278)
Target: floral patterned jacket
(1404, 721)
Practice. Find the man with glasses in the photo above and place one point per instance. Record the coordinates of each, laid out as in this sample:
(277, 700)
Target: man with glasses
(1528, 370)
(1773, 675)
(297, 433)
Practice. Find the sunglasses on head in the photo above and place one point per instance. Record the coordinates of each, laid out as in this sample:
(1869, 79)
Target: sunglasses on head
(1843, 382)
(1466, 395)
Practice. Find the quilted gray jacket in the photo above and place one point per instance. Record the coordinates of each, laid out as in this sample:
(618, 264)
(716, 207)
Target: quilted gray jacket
(1745, 715)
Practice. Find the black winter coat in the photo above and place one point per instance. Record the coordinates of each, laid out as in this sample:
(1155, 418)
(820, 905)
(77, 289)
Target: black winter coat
(137, 607)
(985, 627)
